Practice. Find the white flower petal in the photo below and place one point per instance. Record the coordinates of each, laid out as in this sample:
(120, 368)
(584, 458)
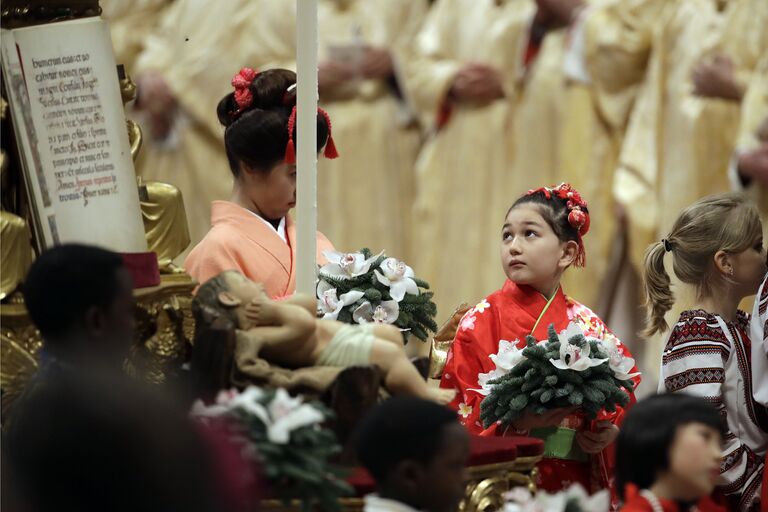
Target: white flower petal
(397, 290)
(411, 286)
(557, 363)
(382, 279)
(333, 256)
(351, 297)
(333, 270)
(302, 416)
(363, 314)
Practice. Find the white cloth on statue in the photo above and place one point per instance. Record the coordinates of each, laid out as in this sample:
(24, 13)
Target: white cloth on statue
(374, 503)
(759, 335)
(707, 357)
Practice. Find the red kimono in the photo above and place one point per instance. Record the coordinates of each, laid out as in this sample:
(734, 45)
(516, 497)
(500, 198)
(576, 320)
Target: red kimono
(510, 314)
(640, 501)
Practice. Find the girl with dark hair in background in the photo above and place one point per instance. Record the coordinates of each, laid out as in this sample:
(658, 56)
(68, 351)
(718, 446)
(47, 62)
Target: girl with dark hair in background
(252, 232)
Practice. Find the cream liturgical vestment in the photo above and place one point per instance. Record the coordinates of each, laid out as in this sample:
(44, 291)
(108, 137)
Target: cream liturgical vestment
(366, 195)
(606, 52)
(463, 173)
(678, 145)
(197, 49)
(130, 23)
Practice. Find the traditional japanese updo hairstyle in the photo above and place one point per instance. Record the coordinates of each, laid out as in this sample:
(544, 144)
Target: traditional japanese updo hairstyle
(722, 222)
(563, 209)
(259, 119)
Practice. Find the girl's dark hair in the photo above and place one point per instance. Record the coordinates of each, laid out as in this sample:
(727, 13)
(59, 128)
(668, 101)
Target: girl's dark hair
(647, 433)
(563, 209)
(258, 136)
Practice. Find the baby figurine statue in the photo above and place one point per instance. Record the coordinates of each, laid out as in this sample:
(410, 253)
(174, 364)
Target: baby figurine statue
(290, 335)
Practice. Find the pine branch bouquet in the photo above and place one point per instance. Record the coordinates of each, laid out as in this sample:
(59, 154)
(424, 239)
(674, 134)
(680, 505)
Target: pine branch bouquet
(286, 435)
(565, 370)
(359, 288)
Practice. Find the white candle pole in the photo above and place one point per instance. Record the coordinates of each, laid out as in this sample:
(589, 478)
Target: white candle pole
(306, 149)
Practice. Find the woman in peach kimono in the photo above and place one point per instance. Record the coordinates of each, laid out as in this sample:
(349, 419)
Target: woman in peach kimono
(252, 232)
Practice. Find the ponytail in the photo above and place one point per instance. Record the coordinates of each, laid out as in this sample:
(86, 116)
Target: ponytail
(658, 294)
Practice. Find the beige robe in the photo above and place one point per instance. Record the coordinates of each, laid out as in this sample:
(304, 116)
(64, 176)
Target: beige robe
(197, 49)
(365, 195)
(130, 23)
(463, 171)
(678, 145)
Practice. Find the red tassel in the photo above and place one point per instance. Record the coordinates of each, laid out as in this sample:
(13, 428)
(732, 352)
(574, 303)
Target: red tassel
(290, 149)
(330, 149)
(290, 153)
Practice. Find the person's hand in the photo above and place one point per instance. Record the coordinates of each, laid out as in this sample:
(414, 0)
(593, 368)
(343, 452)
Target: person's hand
(716, 78)
(331, 73)
(552, 418)
(477, 82)
(557, 13)
(156, 99)
(377, 63)
(753, 164)
(595, 442)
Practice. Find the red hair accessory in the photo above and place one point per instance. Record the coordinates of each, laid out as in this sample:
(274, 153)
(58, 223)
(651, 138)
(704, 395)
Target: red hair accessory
(578, 217)
(290, 148)
(242, 84)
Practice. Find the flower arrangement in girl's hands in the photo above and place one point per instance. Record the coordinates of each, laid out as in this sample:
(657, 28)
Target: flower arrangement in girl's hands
(359, 288)
(564, 371)
(287, 436)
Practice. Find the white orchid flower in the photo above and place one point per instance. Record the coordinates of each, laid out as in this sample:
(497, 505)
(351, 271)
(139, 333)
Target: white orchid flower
(385, 313)
(508, 355)
(520, 500)
(330, 304)
(398, 277)
(347, 265)
(288, 414)
(573, 357)
(619, 364)
(483, 380)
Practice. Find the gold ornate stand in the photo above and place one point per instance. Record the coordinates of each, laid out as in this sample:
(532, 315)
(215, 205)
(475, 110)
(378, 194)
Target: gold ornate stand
(163, 335)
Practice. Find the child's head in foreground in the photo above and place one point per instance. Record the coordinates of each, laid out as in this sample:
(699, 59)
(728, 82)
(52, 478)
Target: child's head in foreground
(670, 444)
(416, 451)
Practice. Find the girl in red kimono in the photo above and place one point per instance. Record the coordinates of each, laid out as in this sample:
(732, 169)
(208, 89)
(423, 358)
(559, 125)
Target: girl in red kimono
(540, 239)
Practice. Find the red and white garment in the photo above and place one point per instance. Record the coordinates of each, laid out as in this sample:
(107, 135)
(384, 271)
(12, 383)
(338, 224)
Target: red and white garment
(511, 314)
(709, 357)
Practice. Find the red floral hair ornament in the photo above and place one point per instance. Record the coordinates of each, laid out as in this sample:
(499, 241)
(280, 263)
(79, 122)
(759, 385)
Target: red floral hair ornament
(290, 148)
(242, 84)
(578, 216)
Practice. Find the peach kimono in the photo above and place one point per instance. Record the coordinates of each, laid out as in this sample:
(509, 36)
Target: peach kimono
(239, 240)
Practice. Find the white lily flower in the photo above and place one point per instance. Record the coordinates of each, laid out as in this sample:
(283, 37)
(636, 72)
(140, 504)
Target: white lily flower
(398, 277)
(385, 313)
(573, 357)
(330, 305)
(347, 265)
(288, 414)
(619, 364)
